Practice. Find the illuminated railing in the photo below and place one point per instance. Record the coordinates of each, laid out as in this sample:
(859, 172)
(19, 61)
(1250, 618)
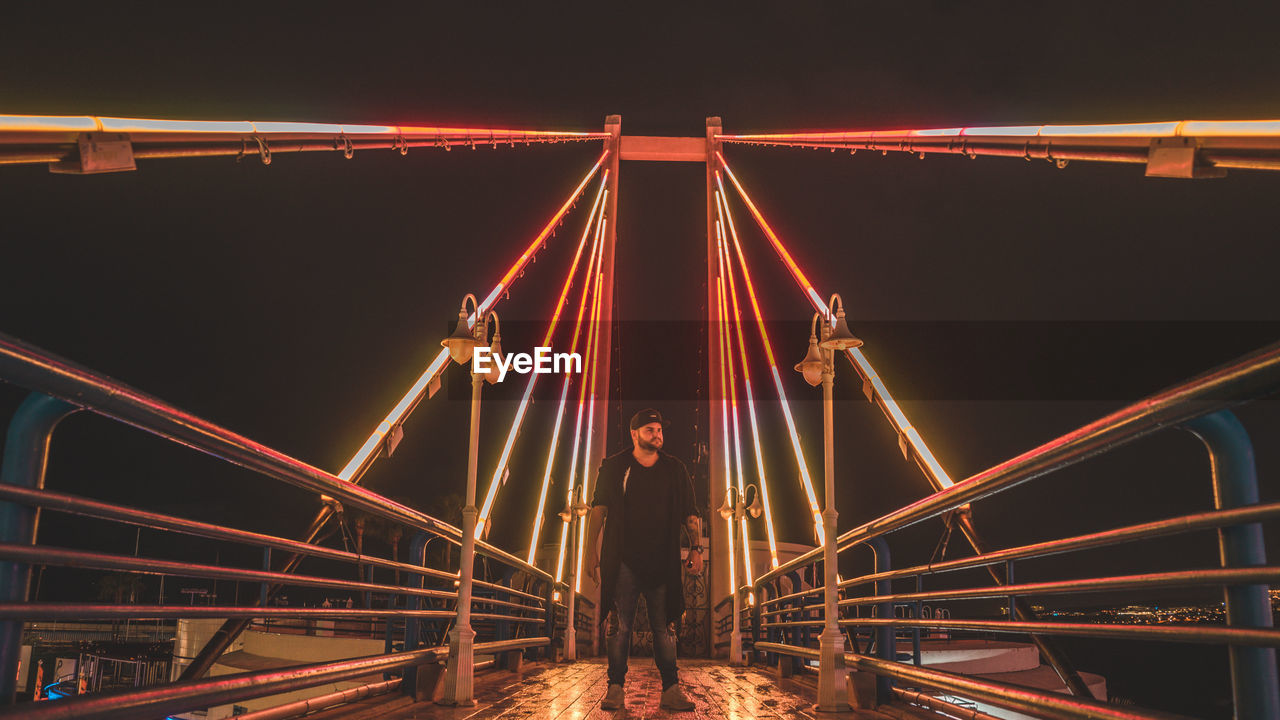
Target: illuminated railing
(1189, 148)
(408, 604)
(87, 143)
(880, 618)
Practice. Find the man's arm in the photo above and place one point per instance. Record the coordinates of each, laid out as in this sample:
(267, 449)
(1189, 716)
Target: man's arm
(693, 529)
(595, 521)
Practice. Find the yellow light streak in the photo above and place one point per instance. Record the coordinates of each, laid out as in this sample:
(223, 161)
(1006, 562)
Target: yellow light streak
(495, 481)
(806, 481)
(733, 404)
(727, 261)
(592, 220)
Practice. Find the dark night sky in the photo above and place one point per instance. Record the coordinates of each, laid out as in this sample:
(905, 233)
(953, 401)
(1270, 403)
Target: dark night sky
(1005, 302)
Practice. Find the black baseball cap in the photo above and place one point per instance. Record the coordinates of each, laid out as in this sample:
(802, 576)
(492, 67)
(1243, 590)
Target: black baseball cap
(646, 416)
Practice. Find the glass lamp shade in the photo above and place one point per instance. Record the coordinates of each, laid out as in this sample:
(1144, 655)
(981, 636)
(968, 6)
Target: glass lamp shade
(811, 366)
(840, 337)
(495, 357)
(461, 343)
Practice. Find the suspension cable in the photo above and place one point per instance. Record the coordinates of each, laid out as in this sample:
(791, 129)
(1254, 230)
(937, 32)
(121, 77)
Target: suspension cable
(364, 457)
(872, 384)
(806, 481)
(727, 263)
(518, 421)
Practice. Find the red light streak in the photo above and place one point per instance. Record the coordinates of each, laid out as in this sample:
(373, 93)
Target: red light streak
(365, 455)
(495, 481)
(727, 265)
(806, 480)
(594, 219)
(577, 431)
(724, 422)
(591, 416)
(928, 463)
(1183, 128)
(733, 404)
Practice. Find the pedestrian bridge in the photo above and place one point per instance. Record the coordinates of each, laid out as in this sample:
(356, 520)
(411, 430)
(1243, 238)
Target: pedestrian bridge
(459, 628)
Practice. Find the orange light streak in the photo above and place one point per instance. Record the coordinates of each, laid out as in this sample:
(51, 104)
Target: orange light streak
(727, 264)
(733, 403)
(591, 417)
(518, 421)
(724, 421)
(937, 475)
(592, 219)
(806, 481)
(141, 128)
(365, 455)
(1183, 128)
(577, 431)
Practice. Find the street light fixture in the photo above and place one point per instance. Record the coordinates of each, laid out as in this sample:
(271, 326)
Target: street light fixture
(733, 509)
(817, 367)
(459, 672)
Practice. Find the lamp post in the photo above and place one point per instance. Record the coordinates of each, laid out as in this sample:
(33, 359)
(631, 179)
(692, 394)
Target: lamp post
(462, 345)
(571, 515)
(733, 510)
(817, 367)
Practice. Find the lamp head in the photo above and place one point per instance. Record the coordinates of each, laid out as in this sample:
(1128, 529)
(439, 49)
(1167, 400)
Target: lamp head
(811, 366)
(756, 508)
(840, 337)
(495, 357)
(461, 343)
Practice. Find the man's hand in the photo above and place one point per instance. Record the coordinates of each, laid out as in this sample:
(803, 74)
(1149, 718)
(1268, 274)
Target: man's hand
(593, 566)
(693, 561)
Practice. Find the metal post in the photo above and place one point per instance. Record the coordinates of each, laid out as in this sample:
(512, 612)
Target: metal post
(549, 597)
(886, 640)
(719, 570)
(570, 649)
(26, 455)
(755, 622)
(458, 672)
(417, 555)
(735, 607)
(502, 628)
(1254, 684)
(831, 671)
(600, 431)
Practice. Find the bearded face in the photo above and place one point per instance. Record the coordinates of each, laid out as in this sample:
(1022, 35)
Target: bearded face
(648, 437)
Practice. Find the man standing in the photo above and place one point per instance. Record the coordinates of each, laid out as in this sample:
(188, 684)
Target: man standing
(643, 499)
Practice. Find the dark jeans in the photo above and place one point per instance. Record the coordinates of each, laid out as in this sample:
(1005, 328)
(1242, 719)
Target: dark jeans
(626, 594)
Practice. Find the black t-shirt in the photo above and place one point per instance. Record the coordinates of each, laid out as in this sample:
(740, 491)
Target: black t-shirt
(655, 501)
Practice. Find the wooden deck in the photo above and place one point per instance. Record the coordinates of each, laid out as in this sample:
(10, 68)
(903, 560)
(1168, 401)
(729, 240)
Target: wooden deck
(572, 691)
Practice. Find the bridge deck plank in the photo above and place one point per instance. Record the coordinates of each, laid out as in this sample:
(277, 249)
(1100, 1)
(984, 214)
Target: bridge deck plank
(573, 691)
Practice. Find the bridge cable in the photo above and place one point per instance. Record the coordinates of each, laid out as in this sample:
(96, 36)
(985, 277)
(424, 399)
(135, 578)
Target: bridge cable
(496, 481)
(727, 261)
(873, 386)
(555, 434)
(733, 404)
(577, 431)
(724, 421)
(806, 481)
(364, 457)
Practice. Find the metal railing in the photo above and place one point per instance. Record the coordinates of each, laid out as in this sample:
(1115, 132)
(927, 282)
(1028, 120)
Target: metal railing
(785, 622)
(512, 599)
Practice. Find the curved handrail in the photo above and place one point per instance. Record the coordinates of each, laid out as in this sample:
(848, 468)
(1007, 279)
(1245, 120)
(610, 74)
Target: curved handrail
(1242, 379)
(35, 369)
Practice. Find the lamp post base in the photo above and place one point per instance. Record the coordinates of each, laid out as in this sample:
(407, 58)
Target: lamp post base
(831, 673)
(735, 648)
(459, 673)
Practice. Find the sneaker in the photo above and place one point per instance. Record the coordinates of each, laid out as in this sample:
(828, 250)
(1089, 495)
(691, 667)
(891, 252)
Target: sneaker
(614, 699)
(674, 699)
